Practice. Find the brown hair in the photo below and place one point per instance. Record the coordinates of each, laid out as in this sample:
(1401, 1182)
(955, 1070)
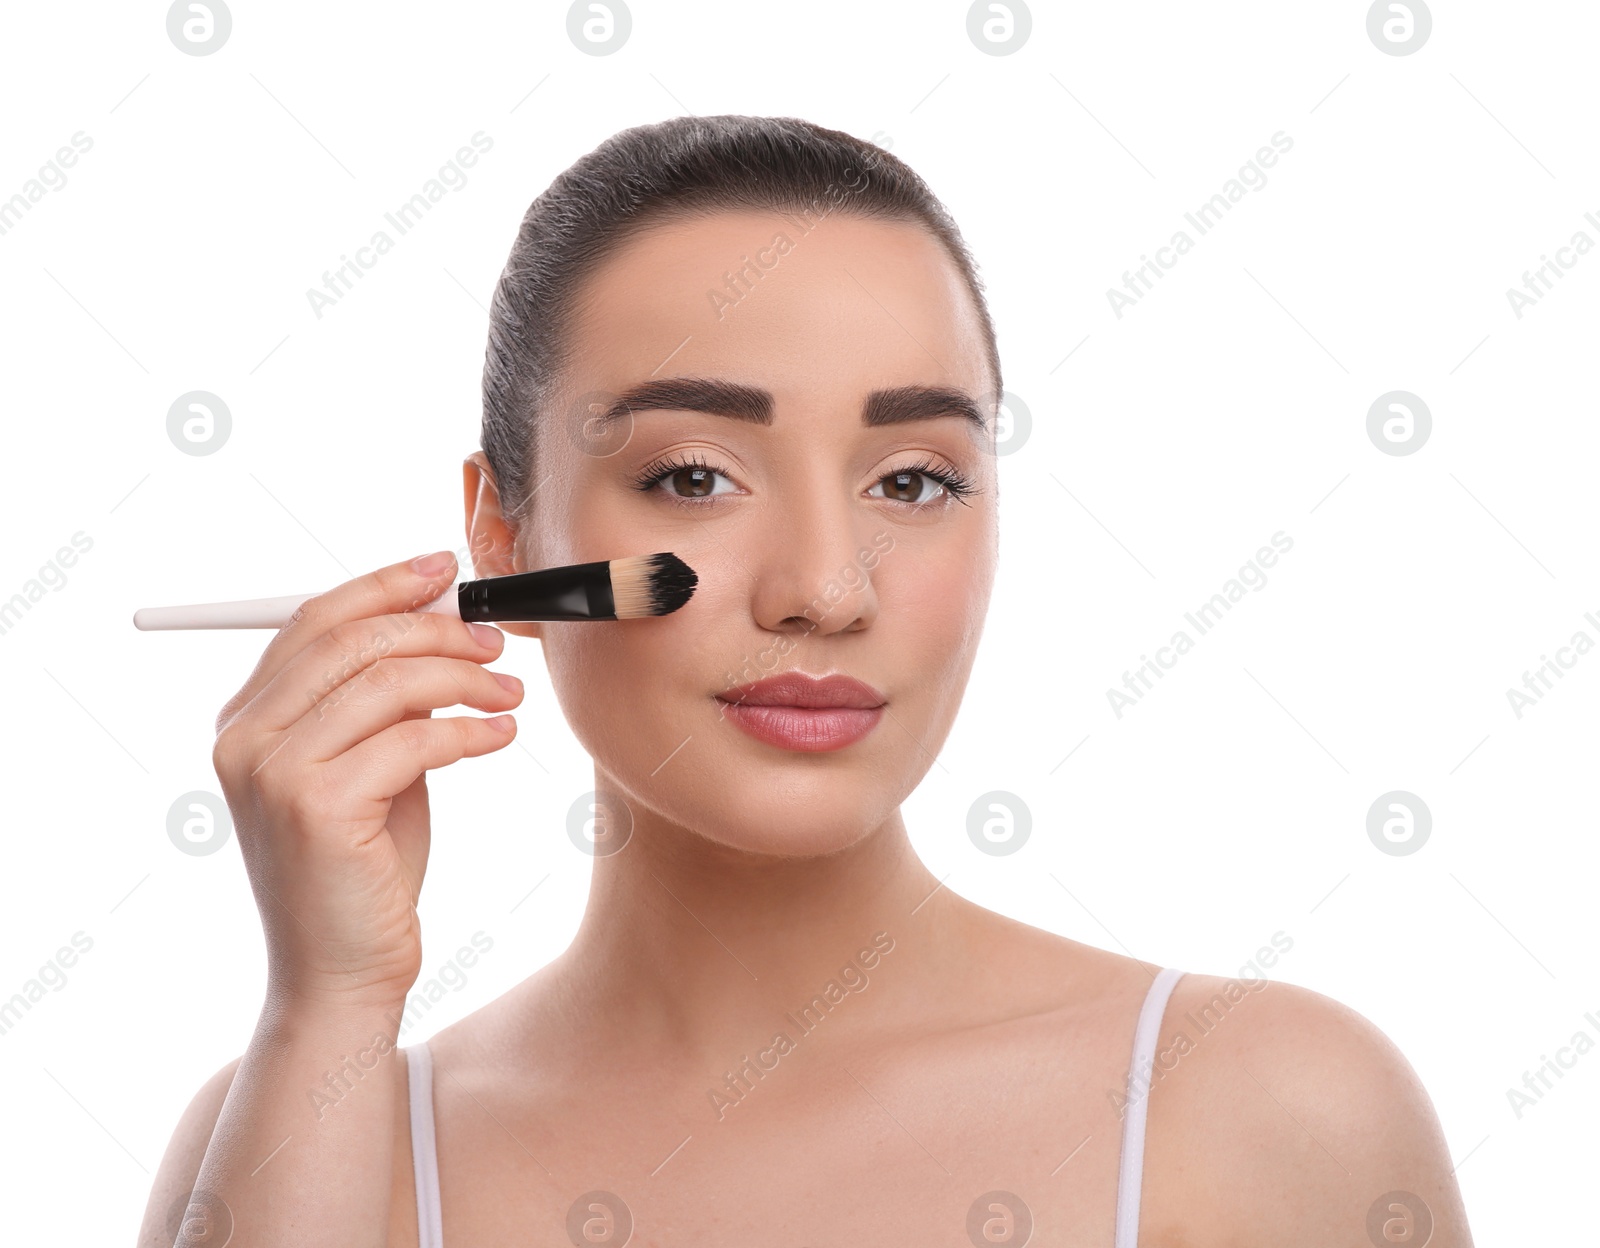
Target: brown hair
(685, 166)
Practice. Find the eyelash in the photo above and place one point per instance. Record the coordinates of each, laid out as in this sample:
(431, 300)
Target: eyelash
(955, 484)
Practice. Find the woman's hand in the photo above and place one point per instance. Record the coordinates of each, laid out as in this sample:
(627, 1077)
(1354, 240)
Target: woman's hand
(323, 756)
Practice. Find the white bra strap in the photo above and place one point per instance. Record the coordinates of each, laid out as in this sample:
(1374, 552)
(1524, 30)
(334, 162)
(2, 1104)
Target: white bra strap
(424, 1157)
(1131, 1175)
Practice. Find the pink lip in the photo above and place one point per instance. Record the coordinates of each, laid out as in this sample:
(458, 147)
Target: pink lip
(794, 711)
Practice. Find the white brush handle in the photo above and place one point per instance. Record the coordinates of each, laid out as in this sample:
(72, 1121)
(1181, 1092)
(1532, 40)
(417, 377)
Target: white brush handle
(255, 612)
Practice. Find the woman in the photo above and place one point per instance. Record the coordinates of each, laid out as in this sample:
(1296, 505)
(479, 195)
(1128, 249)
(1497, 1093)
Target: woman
(762, 345)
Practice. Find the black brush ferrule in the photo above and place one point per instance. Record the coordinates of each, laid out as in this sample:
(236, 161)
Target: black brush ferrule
(578, 591)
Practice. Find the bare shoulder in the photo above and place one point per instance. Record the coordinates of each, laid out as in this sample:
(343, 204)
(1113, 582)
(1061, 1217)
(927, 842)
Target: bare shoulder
(1277, 1114)
(174, 1181)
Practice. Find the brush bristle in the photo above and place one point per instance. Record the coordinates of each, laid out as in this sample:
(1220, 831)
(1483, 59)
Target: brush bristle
(650, 584)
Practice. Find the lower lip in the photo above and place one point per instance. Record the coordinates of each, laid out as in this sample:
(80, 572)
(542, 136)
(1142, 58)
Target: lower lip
(809, 729)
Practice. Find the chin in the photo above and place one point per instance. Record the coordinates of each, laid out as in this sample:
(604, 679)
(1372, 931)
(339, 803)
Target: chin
(797, 834)
(786, 807)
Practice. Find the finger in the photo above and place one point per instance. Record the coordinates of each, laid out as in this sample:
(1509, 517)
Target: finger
(385, 695)
(391, 761)
(398, 587)
(350, 649)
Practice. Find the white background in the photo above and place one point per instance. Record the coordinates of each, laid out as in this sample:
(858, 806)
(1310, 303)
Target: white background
(1230, 403)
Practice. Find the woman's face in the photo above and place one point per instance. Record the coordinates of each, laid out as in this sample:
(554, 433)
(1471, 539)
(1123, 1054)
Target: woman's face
(808, 558)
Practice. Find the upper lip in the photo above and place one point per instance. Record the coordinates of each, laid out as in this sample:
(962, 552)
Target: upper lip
(802, 689)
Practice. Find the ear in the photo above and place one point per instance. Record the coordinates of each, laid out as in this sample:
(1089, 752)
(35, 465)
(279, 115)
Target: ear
(491, 542)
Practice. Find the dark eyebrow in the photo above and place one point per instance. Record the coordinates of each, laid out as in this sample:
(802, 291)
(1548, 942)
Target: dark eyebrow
(753, 404)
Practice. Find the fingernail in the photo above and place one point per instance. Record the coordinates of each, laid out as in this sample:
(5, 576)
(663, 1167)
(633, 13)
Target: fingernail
(507, 681)
(432, 565)
(483, 634)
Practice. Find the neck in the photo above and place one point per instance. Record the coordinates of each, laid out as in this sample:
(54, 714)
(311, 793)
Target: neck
(696, 952)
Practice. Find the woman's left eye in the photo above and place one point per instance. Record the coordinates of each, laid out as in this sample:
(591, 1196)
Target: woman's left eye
(916, 486)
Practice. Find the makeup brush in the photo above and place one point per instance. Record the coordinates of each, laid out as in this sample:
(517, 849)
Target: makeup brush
(614, 589)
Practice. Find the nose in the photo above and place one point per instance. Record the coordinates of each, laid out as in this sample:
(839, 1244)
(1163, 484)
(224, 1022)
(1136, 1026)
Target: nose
(813, 573)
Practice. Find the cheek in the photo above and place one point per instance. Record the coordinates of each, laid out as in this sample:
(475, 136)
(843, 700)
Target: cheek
(934, 604)
(610, 696)
(609, 679)
(937, 644)
(633, 689)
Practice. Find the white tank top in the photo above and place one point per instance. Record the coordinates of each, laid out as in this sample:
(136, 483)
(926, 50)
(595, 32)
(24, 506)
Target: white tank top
(1130, 1174)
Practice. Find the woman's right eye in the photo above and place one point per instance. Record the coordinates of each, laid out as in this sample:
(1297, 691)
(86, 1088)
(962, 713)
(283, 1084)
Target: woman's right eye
(685, 479)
